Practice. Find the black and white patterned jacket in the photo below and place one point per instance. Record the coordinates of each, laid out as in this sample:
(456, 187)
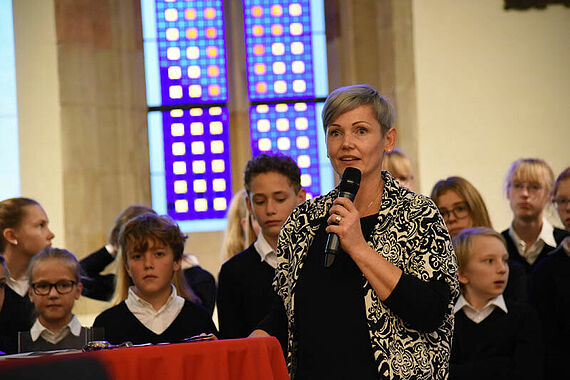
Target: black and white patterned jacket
(410, 234)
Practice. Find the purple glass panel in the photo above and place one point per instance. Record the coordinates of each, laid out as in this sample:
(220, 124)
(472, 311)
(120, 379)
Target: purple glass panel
(191, 52)
(278, 49)
(197, 163)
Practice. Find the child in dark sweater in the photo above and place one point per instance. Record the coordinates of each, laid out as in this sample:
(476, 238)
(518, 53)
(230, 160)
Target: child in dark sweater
(494, 337)
(54, 287)
(151, 248)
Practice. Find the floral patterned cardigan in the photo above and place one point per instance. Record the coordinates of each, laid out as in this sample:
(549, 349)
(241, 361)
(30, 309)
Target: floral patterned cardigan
(411, 234)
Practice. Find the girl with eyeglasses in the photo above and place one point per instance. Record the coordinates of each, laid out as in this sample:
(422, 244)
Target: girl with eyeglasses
(54, 287)
(462, 207)
(460, 204)
(24, 231)
(549, 286)
(529, 184)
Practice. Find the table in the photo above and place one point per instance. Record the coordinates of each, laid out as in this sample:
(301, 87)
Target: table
(253, 358)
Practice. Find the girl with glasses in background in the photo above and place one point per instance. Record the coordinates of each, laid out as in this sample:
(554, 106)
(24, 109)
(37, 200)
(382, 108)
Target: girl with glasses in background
(460, 204)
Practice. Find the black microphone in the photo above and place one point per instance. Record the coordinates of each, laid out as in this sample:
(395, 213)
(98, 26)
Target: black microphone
(347, 188)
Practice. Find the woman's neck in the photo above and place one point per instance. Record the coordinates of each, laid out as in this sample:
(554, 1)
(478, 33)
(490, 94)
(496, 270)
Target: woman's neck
(528, 230)
(369, 196)
(17, 263)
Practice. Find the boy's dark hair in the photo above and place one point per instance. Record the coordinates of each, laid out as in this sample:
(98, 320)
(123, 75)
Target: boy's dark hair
(265, 163)
(137, 232)
(64, 255)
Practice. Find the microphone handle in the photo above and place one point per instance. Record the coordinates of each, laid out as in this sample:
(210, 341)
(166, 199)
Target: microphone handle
(332, 248)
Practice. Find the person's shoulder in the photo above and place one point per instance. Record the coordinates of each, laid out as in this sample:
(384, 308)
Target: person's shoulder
(557, 258)
(243, 258)
(111, 313)
(560, 234)
(197, 272)
(194, 309)
(519, 309)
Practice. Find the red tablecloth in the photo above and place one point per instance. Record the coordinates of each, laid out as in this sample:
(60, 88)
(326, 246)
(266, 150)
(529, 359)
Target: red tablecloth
(258, 358)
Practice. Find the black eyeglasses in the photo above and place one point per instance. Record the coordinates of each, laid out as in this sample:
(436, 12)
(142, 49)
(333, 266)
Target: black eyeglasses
(460, 211)
(44, 288)
(562, 202)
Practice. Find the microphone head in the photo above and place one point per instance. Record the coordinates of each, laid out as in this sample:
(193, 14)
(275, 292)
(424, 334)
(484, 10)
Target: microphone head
(350, 182)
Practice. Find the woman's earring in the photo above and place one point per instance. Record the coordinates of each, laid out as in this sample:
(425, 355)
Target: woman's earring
(15, 242)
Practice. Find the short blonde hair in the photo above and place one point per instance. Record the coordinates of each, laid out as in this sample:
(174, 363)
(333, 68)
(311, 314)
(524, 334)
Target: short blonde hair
(530, 170)
(463, 242)
(347, 98)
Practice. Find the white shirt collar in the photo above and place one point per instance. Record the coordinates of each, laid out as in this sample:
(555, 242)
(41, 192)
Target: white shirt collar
(266, 252)
(37, 330)
(155, 321)
(546, 236)
(479, 315)
(19, 286)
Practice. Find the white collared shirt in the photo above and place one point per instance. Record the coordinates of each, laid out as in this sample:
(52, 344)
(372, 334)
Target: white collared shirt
(37, 330)
(266, 251)
(155, 321)
(530, 254)
(478, 316)
(20, 286)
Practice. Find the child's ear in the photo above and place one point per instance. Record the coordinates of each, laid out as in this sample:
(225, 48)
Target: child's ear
(248, 204)
(301, 196)
(462, 278)
(177, 264)
(79, 290)
(10, 235)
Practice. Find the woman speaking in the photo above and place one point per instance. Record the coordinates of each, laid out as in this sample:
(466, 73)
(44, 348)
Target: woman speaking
(383, 309)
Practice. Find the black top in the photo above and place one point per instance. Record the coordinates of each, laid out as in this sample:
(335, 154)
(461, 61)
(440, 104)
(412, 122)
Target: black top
(121, 325)
(333, 338)
(502, 346)
(514, 254)
(332, 326)
(17, 314)
(550, 295)
(102, 286)
(520, 270)
(245, 293)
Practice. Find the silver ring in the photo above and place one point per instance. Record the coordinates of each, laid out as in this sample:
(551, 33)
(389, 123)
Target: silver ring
(338, 219)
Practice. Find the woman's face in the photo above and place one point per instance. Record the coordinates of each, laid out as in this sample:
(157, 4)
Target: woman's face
(561, 200)
(33, 234)
(455, 212)
(355, 139)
